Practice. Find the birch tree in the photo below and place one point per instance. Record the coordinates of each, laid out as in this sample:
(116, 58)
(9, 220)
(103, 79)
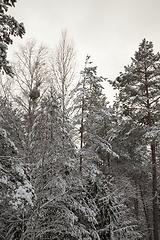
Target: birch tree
(63, 66)
(31, 81)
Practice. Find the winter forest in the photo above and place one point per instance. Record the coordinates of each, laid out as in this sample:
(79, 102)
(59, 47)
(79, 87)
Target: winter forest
(73, 166)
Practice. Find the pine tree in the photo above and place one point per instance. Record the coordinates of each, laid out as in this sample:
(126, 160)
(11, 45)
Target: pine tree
(139, 95)
(133, 168)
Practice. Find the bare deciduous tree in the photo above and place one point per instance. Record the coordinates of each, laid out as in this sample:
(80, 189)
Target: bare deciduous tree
(32, 78)
(63, 65)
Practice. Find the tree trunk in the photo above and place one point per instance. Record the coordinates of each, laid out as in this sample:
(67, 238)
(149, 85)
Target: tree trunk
(136, 202)
(63, 98)
(154, 190)
(154, 171)
(146, 213)
(81, 146)
(42, 188)
(155, 193)
(22, 225)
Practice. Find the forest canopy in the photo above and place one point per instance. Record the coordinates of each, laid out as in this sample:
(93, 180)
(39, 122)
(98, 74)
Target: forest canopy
(72, 166)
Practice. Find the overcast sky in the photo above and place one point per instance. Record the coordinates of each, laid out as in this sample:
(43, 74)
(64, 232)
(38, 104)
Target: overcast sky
(109, 30)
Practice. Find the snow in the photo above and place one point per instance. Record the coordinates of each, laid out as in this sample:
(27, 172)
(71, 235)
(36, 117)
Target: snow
(152, 134)
(2, 120)
(19, 170)
(4, 180)
(23, 195)
(19, 189)
(3, 132)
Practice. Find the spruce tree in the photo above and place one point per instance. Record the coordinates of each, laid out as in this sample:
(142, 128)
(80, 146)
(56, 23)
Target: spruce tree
(56, 178)
(17, 193)
(9, 27)
(96, 154)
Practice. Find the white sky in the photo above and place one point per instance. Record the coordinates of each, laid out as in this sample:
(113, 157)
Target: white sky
(108, 30)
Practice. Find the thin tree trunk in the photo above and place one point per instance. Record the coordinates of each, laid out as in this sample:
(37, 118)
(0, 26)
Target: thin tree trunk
(154, 171)
(81, 142)
(155, 193)
(136, 202)
(154, 190)
(23, 224)
(40, 200)
(108, 155)
(81, 158)
(28, 133)
(146, 213)
(51, 210)
(81, 136)
(63, 98)
(41, 193)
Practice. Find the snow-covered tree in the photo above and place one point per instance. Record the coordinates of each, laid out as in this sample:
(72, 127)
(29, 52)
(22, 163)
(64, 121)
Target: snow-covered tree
(139, 96)
(95, 122)
(56, 179)
(94, 117)
(134, 166)
(17, 193)
(9, 27)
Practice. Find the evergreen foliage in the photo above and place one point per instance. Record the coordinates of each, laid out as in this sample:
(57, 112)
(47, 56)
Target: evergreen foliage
(56, 178)
(17, 192)
(139, 97)
(99, 189)
(96, 154)
(9, 27)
